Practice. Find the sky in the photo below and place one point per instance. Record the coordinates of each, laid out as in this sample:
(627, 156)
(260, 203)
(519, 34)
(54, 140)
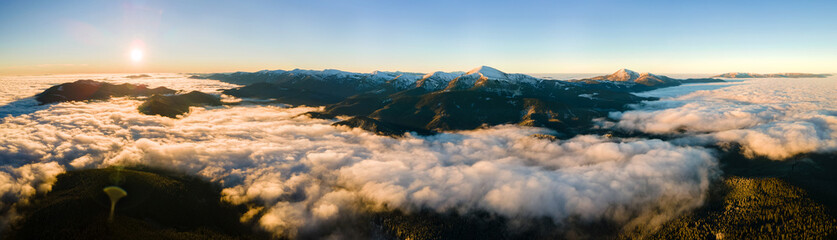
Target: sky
(99, 36)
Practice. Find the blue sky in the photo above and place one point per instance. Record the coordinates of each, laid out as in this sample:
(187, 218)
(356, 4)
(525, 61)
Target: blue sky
(514, 36)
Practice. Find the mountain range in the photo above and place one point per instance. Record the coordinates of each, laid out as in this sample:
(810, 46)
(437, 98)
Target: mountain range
(771, 75)
(385, 102)
(392, 103)
(627, 80)
(86, 89)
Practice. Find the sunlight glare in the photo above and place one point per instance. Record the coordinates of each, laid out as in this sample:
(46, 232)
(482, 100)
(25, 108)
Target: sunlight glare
(136, 55)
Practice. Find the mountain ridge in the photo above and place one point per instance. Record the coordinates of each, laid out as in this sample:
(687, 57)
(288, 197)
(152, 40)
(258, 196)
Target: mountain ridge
(631, 81)
(623, 80)
(391, 103)
(771, 75)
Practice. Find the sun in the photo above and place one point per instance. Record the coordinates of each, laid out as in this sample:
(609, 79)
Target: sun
(136, 55)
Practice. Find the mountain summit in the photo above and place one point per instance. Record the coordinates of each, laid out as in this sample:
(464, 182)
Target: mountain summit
(437, 80)
(488, 72)
(631, 81)
(490, 78)
(391, 103)
(623, 75)
(771, 75)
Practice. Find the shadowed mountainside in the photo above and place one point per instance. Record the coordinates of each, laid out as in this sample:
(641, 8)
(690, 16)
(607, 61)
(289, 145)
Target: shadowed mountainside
(753, 208)
(176, 105)
(378, 127)
(162, 101)
(82, 90)
(438, 101)
(159, 205)
(163, 205)
(138, 76)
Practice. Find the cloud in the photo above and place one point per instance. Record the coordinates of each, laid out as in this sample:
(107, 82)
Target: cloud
(306, 173)
(775, 118)
(18, 184)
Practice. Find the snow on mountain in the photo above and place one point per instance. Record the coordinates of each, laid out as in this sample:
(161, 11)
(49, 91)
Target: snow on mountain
(269, 71)
(623, 75)
(625, 78)
(482, 75)
(494, 74)
(325, 73)
(401, 80)
(771, 75)
(437, 80)
(488, 72)
(628, 76)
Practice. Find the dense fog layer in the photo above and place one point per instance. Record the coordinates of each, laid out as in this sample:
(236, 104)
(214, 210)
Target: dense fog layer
(303, 174)
(775, 118)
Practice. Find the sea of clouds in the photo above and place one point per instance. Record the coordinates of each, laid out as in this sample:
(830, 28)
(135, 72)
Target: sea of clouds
(773, 118)
(305, 173)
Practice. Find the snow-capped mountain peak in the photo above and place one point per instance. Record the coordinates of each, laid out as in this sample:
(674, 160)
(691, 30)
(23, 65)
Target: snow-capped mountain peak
(624, 75)
(484, 76)
(442, 75)
(627, 77)
(488, 72)
(437, 80)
